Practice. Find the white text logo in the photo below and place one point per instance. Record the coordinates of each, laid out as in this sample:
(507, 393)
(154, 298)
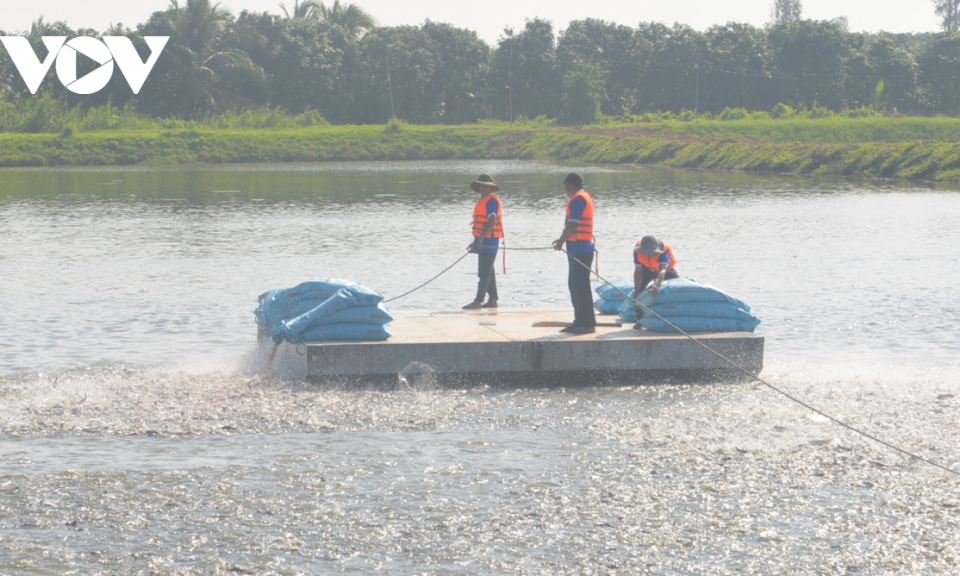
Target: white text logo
(105, 52)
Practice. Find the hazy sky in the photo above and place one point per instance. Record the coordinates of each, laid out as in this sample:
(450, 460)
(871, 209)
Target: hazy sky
(489, 17)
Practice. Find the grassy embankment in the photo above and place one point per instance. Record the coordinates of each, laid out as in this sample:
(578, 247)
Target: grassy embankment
(907, 148)
(879, 147)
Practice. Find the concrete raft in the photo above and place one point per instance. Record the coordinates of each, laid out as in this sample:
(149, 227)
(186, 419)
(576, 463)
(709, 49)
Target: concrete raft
(506, 347)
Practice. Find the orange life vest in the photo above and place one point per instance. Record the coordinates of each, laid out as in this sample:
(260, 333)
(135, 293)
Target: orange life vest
(585, 227)
(480, 218)
(653, 262)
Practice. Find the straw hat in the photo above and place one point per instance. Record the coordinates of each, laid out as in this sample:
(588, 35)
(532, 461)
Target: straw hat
(484, 180)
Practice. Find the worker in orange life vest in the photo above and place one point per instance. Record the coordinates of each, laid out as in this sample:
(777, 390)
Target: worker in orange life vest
(653, 262)
(578, 236)
(487, 232)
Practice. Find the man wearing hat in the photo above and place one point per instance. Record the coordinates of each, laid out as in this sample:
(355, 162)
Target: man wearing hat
(487, 232)
(578, 237)
(653, 262)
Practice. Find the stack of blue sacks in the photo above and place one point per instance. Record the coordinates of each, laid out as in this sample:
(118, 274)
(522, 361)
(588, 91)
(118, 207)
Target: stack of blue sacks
(691, 307)
(331, 310)
(610, 298)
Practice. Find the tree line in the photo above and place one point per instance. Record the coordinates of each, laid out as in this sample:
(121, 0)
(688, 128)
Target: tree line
(336, 62)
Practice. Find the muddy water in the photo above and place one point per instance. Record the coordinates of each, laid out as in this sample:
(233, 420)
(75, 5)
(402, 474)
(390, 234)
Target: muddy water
(138, 436)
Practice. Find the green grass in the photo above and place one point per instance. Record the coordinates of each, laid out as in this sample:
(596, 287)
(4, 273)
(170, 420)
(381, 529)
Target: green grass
(837, 130)
(46, 115)
(911, 160)
(860, 147)
(180, 146)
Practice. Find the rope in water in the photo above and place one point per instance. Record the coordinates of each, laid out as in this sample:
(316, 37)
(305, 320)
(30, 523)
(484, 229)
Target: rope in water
(757, 378)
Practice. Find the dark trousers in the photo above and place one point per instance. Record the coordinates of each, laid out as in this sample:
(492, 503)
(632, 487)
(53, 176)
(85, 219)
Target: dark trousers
(488, 277)
(648, 277)
(578, 280)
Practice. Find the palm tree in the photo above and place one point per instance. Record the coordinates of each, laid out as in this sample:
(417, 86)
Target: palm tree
(200, 46)
(39, 28)
(352, 18)
(307, 10)
(197, 25)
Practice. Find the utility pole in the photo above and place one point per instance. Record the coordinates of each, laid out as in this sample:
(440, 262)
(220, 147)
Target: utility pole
(510, 81)
(696, 106)
(393, 112)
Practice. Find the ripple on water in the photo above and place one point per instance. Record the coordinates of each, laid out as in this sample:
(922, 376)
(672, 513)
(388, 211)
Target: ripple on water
(126, 469)
(111, 463)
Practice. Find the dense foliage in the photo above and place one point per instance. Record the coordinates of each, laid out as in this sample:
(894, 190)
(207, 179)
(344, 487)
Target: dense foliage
(336, 64)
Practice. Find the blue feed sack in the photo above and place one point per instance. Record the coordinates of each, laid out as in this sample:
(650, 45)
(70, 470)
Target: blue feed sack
(609, 291)
(607, 306)
(351, 315)
(277, 305)
(374, 315)
(698, 324)
(260, 310)
(682, 298)
(684, 290)
(269, 294)
(343, 333)
(704, 309)
(289, 329)
(364, 295)
(273, 316)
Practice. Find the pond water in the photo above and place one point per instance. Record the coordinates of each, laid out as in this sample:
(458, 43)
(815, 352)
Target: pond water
(137, 434)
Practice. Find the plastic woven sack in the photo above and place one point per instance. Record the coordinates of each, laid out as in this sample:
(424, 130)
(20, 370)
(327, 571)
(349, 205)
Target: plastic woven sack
(704, 309)
(290, 329)
(609, 291)
(607, 306)
(277, 305)
(375, 315)
(685, 290)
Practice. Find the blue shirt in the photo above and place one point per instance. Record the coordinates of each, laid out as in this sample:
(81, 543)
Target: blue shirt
(578, 247)
(491, 245)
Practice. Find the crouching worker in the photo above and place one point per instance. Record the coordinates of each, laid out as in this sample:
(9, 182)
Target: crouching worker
(653, 263)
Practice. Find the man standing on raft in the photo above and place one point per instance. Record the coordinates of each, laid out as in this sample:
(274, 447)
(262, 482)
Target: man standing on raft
(487, 232)
(578, 237)
(653, 262)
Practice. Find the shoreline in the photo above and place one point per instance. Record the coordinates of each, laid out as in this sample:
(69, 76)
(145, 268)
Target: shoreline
(636, 144)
